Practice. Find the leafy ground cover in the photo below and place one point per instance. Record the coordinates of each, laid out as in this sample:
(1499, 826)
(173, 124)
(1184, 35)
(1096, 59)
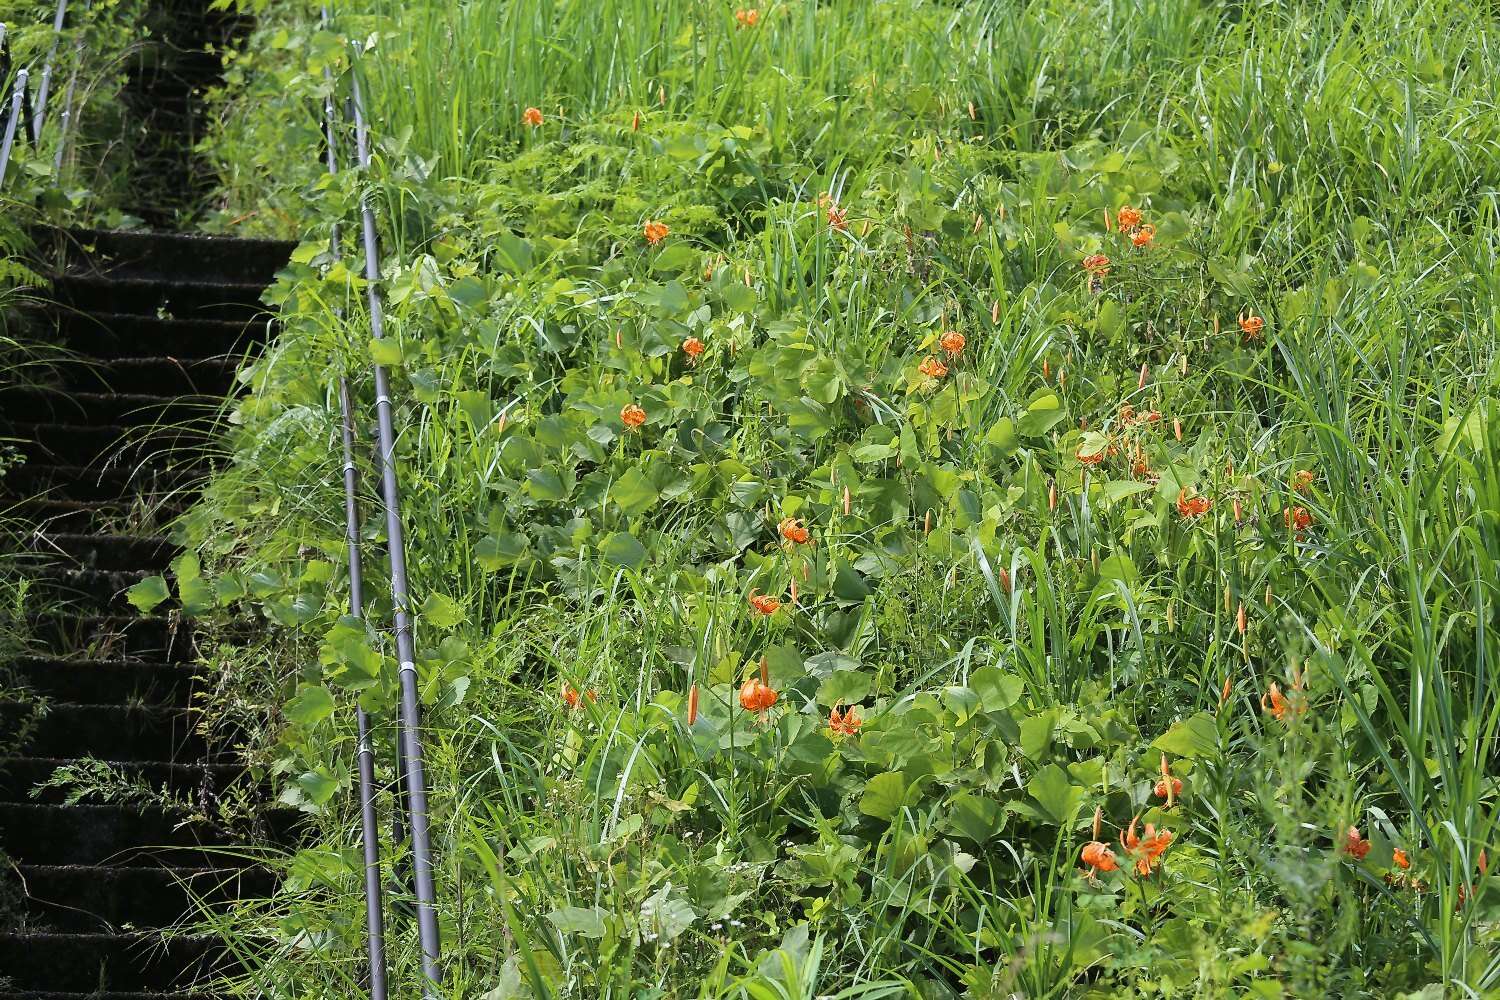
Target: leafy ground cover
(905, 499)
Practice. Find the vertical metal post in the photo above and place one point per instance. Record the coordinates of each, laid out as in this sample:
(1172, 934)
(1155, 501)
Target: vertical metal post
(17, 96)
(41, 91)
(369, 823)
(369, 828)
(67, 112)
(416, 780)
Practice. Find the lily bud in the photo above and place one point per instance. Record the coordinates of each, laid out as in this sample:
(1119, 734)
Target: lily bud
(1098, 820)
(1224, 694)
(1052, 496)
(692, 705)
(927, 523)
(765, 671)
(1005, 580)
(995, 312)
(635, 122)
(1177, 428)
(1240, 621)
(1238, 513)
(1141, 382)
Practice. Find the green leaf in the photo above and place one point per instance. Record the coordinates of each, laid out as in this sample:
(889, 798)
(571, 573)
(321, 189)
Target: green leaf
(386, 352)
(976, 817)
(477, 406)
(634, 492)
(197, 595)
(585, 920)
(848, 687)
(1040, 417)
(997, 690)
(1002, 437)
(1193, 737)
(664, 917)
(885, 795)
(311, 706)
(496, 552)
(623, 549)
(148, 593)
(442, 611)
(1056, 796)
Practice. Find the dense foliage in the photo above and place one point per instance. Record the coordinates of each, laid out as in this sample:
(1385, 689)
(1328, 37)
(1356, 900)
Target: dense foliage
(1080, 417)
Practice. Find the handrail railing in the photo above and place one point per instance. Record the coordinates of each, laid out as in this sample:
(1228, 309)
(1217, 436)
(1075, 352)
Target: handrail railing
(39, 115)
(17, 97)
(411, 743)
(409, 757)
(369, 823)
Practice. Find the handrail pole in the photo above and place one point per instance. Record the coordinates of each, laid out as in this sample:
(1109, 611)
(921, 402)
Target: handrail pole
(17, 96)
(67, 111)
(369, 827)
(416, 782)
(40, 112)
(369, 822)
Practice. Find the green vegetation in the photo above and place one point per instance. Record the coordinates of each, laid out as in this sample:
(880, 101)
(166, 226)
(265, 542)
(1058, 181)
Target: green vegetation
(1227, 505)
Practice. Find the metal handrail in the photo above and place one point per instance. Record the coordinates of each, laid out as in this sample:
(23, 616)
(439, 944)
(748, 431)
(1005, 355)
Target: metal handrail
(39, 116)
(18, 95)
(416, 782)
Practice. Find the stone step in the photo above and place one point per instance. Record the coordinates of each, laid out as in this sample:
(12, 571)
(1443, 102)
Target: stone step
(64, 405)
(108, 732)
(159, 297)
(157, 638)
(74, 482)
(103, 682)
(141, 254)
(119, 335)
(86, 962)
(157, 376)
(194, 782)
(115, 553)
(83, 899)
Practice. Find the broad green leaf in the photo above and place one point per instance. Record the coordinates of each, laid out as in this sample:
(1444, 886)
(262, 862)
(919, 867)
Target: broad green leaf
(1040, 417)
(442, 611)
(148, 593)
(1056, 796)
(623, 549)
(386, 351)
(1193, 737)
(496, 552)
(197, 595)
(585, 920)
(885, 795)
(997, 690)
(976, 817)
(664, 917)
(312, 704)
(634, 492)
(848, 687)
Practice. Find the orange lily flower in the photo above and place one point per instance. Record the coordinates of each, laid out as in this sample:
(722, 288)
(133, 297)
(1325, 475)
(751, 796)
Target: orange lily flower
(1128, 218)
(1099, 858)
(747, 18)
(845, 722)
(1354, 845)
(655, 232)
(573, 699)
(531, 117)
(1090, 458)
(1251, 325)
(1279, 705)
(1096, 264)
(1142, 237)
(1400, 860)
(692, 347)
(757, 696)
(1190, 507)
(932, 367)
(952, 342)
(1169, 787)
(764, 603)
(1298, 519)
(794, 531)
(838, 218)
(1145, 850)
(1302, 479)
(632, 416)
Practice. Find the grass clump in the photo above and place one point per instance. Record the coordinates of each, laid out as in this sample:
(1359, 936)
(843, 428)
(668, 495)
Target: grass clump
(1082, 419)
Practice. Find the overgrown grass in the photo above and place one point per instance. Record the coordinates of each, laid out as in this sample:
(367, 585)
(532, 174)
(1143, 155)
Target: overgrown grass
(1005, 572)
